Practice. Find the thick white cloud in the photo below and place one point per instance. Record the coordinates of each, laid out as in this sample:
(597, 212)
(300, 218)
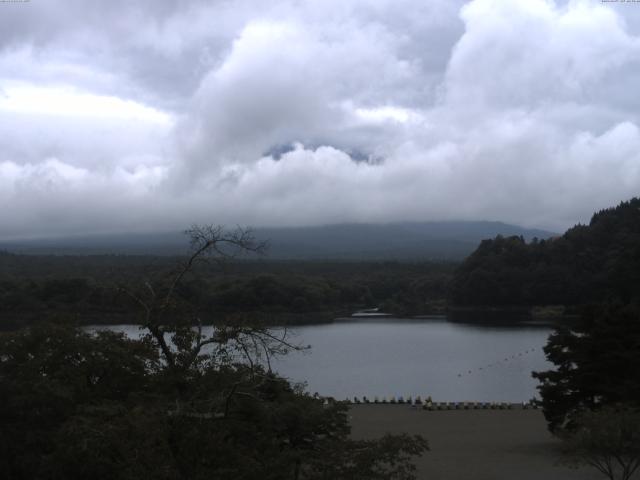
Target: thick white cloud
(147, 116)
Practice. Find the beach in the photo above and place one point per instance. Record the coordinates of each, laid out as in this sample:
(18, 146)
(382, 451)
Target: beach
(473, 444)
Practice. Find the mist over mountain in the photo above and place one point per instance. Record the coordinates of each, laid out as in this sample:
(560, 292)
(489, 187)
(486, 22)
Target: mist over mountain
(445, 240)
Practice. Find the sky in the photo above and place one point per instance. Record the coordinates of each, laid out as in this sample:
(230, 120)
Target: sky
(154, 115)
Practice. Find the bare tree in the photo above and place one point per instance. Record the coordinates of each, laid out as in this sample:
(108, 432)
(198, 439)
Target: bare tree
(178, 329)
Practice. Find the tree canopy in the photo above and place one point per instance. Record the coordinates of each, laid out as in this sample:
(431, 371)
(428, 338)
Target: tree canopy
(181, 402)
(589, 263)
(596, 364)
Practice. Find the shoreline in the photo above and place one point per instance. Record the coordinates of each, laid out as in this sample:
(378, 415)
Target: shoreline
(490, 317)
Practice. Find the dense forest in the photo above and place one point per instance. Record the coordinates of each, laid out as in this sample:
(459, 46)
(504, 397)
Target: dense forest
(89, 288)
(177, 403)
(589, 263)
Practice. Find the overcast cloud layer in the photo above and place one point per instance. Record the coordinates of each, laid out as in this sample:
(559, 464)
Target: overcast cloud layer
(152, 115)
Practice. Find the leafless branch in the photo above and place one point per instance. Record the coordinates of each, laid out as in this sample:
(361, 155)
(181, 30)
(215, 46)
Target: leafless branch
(215, 242)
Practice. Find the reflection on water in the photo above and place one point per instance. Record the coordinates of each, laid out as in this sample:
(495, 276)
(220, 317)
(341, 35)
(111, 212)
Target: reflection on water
(385, 357)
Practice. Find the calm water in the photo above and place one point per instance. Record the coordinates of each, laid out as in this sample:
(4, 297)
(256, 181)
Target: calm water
(448, 361)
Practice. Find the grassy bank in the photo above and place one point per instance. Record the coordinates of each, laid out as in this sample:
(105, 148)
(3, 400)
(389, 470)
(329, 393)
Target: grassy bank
(473, 444)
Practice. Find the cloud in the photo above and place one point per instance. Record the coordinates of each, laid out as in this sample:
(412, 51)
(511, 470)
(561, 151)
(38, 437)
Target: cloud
(149, 117)
(284, 82)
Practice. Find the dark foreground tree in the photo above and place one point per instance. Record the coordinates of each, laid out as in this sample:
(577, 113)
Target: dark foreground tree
(184, 401)
(608, 440)
(596, 364)
(592, 398)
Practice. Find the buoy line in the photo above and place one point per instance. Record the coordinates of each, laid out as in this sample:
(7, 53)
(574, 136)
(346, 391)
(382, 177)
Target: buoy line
(508, 358)
(428, 404)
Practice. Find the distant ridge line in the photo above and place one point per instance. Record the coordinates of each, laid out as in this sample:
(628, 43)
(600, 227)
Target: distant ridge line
(435, 240)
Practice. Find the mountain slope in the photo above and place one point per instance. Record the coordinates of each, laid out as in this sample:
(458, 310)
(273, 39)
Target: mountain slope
(400, 241)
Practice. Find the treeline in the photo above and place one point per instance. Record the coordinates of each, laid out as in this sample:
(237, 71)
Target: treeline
(589, 263)
(33, 288)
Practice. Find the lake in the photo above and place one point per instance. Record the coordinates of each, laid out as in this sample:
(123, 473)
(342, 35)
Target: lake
(401, 357)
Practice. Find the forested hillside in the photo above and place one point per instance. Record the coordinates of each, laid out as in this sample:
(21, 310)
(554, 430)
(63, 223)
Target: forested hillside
(589, 263)
(39, 287)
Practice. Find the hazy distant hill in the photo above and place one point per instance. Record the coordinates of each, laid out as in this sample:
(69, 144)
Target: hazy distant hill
(401, 241)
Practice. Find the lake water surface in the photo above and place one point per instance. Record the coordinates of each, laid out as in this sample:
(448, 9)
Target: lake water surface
(393, 357)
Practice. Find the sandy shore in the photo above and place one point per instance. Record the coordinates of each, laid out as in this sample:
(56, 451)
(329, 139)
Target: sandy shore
(473, 444)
